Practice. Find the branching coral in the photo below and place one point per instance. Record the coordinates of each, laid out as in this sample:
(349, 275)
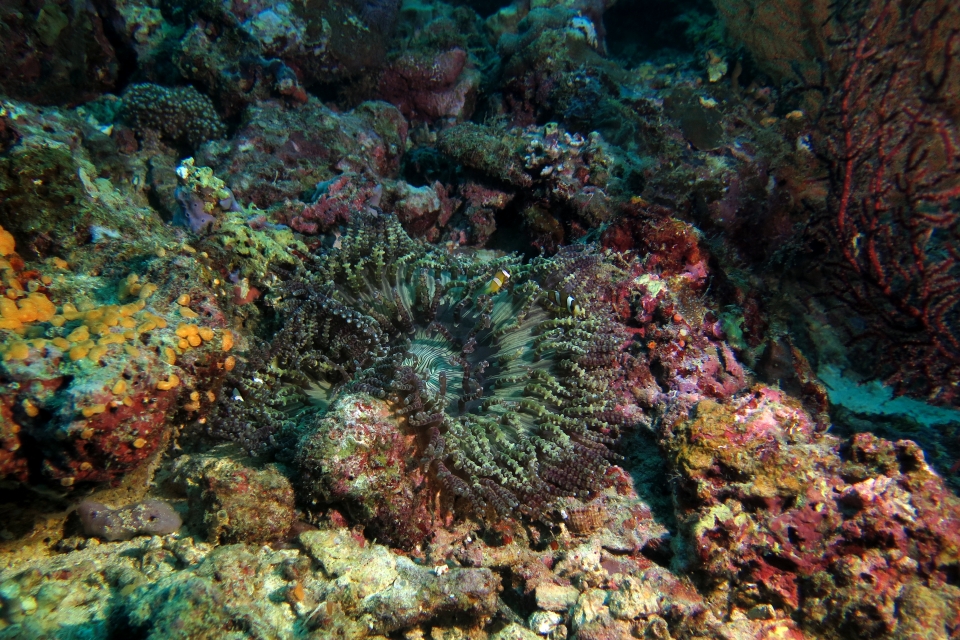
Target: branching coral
(893, 146)
(503, 378)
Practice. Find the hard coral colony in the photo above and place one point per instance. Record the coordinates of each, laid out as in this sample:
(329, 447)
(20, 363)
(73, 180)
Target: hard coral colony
(561, 319)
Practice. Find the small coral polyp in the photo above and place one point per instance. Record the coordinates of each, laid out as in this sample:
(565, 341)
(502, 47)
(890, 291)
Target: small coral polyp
(507, 391)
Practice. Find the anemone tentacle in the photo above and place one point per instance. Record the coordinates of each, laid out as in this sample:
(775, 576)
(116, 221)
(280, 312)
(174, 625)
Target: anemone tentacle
(505, 382)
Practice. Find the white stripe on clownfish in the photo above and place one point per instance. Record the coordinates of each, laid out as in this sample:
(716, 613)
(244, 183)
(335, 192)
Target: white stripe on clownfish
(571, 304)
(498, 281)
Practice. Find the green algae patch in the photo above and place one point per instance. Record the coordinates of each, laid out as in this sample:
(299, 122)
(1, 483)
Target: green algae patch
(40, 190)
(254, 251)
(722, 441)
(50, 22)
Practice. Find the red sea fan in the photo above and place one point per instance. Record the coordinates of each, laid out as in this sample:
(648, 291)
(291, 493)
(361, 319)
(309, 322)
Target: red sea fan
(892, 140)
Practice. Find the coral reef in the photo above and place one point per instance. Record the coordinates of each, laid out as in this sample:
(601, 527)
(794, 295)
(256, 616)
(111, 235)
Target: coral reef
(423, 211)
(480, 148)
(243, 53)
(887, 140)
(552, 45)
(59, 179)
(358, 458)
(73, 383)
(466, 320)
(56, 53)
(174, 588)
(333, 203)
(835, 532)
(442, 86)
(549, 165)
(92, 383)
(788, 39)
(202, 197)
(286, 153)
(385, 592)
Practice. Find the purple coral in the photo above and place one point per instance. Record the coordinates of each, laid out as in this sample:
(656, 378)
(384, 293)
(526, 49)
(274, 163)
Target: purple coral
(192, 213)
(150, 517)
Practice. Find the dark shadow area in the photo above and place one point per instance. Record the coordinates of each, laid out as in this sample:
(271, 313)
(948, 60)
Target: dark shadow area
(483, 7)
(511, 235)
(641, 30)
(650, 472)
(113, 25)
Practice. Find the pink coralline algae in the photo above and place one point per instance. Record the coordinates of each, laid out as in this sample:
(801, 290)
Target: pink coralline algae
(360, 458)
(838, 532)
(423, 211)
(481, 203)
(428, 88)
(333, 204)
(283, 154)
(682, 340)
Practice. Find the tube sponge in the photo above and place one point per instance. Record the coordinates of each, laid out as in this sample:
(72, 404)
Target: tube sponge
(150, 517)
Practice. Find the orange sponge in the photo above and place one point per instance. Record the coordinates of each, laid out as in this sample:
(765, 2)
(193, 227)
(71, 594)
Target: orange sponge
(6, 242)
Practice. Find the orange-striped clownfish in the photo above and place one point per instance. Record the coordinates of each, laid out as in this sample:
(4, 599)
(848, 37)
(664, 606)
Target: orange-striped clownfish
(568, 302)
(498, 281)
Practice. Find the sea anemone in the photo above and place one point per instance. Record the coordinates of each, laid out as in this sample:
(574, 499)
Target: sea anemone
(499, 367)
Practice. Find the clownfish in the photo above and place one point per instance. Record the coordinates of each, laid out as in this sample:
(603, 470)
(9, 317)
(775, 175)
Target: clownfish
(571, 304)
(498, 281)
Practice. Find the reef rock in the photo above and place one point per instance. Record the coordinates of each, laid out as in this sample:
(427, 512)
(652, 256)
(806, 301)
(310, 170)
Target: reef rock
(234, 498)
